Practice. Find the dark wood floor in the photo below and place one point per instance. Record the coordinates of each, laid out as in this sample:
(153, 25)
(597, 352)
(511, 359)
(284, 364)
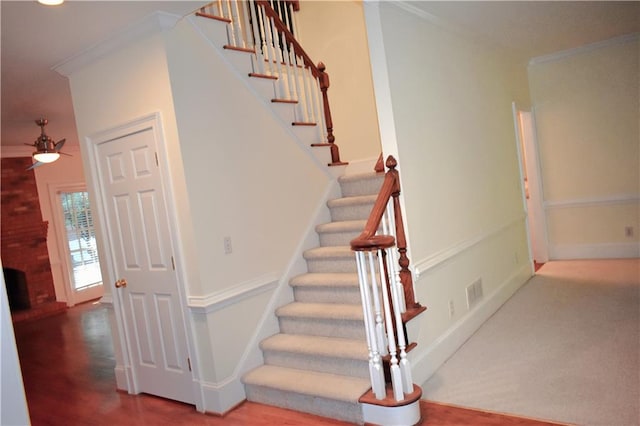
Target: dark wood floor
(67, 365)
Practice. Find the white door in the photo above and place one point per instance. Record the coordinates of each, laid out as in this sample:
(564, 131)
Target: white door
(532, 185)
(141, 249)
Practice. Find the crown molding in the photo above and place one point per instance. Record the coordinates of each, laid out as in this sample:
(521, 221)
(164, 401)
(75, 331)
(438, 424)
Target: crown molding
(153, 23)
(552, 57)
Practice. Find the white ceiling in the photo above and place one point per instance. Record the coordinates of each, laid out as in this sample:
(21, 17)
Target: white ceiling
(35, 38)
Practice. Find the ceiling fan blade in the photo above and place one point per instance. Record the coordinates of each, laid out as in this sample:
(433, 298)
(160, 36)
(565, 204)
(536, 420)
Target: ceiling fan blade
(58, 145)
(64, 153)
(34, 165)
(29, 144)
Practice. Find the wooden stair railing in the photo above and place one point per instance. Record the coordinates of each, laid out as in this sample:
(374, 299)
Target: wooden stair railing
(381, 254)
(266, 29)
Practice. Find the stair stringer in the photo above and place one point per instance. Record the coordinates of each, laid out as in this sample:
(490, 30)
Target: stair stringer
(304, 137)
(223, 396)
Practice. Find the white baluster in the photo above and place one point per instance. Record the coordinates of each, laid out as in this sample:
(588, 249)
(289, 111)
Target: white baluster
(396, 281)
(288, 67)
(284, 90)
(376, 372)
(235, 17)
(322, 125)
(266, 51)
(381, 336)
(297, 76)
(220, 11)
(309, 81)
(256, 28)
(396, 375)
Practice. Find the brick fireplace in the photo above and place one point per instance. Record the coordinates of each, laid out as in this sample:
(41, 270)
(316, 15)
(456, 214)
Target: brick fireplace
(24, 233)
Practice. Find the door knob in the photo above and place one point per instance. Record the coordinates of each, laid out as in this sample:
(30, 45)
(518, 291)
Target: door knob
(121, 283)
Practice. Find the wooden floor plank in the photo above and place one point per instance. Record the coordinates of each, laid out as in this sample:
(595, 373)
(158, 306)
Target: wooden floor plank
(67, 364)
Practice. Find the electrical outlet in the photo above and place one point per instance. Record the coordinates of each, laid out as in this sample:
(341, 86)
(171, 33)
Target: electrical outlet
(628, 231)
(227, 245)
(452, 309)
(474, 293)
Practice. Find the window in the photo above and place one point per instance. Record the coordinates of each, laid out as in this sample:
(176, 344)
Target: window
(81, 237)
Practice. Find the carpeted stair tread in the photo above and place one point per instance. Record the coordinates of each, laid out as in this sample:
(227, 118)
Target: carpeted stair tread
(334, 252)
(323, 385)
(360, 184)
(342, 226)
(331, 311)
(354, 200)
(317, 346)
(319, 279)
(360, 176)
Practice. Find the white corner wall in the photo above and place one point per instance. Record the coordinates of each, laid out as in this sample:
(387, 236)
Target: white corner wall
(235, 172)
(334, 32)
(444, 102)
(13, 402)
(587, 104)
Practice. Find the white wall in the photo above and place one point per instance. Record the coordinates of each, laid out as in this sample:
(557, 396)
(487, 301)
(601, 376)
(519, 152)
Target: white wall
(114, 89)
(260, 187)
(235, 172)
(333, 32)
(13, 403)
(587, 105)
(444, 102)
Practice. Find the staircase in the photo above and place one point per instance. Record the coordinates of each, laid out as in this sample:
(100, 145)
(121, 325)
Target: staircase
(318, 363)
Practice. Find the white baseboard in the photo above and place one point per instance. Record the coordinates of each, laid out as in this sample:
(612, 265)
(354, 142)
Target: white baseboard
(594, 251)
(121, 377)
(221, 397)
(425, 362)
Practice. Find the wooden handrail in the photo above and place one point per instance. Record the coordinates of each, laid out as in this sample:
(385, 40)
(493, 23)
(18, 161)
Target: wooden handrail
(318, 71)
(368, 240)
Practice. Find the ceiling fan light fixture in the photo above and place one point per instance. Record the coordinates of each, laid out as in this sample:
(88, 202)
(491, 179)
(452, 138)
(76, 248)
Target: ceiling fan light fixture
(46, 157)
(51, 2)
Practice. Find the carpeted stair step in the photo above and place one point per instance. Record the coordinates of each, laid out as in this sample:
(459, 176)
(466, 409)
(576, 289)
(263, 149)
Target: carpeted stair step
(322, 319)
(317, 353)
(351, 208)
(339, 233)
(361, 184)
(331, 259)
(328, 395)
(326, 288)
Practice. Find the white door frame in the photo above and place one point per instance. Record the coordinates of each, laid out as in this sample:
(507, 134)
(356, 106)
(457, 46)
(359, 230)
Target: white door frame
(109, 274)
(59, 228)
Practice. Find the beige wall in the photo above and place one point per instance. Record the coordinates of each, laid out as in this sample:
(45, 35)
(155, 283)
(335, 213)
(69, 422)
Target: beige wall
(587, 106)
(449, 99)
(333, 32)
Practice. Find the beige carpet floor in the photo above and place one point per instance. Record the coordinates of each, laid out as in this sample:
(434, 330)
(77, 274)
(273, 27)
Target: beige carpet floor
(565, 347)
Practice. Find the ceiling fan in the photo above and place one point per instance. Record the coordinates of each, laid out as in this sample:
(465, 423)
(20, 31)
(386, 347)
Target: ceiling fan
(47, 151)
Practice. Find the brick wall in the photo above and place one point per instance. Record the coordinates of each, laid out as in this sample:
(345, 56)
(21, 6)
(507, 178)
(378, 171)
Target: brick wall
(23, 233)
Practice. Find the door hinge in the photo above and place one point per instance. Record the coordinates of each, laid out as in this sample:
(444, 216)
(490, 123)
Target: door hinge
(157, 162)
(189, 363)
(173, 263)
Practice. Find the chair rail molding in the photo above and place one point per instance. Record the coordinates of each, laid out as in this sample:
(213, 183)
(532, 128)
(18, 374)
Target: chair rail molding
(220, 299)
(593, 201)
(449, 253)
